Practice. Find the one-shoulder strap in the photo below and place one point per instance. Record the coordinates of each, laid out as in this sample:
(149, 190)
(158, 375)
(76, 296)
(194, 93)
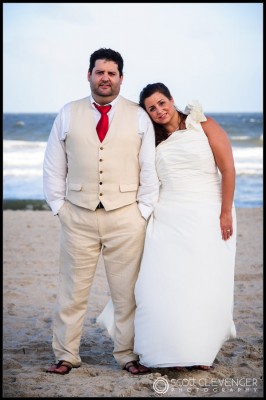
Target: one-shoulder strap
(195, 114)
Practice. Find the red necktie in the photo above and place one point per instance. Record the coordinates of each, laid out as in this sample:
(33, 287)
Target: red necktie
(102, 126)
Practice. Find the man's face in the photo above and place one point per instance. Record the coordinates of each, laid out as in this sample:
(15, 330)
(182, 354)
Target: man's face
(105, 81)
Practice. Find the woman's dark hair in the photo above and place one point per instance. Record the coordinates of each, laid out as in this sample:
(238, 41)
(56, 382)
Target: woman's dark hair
(109, 55)
(160, 132)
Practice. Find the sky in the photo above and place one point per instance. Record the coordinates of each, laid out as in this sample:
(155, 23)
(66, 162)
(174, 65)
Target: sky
(206, 52)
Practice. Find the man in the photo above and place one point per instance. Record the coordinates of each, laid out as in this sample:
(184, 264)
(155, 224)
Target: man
(103, 186)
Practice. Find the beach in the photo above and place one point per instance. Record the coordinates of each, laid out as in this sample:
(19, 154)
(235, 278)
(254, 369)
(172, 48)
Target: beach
(30, 273)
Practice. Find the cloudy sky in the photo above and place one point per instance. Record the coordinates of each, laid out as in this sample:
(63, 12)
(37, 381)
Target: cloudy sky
(209, 52)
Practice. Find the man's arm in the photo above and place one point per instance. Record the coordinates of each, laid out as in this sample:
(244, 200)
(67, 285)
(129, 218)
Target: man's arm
(55, 164)
(149, 184)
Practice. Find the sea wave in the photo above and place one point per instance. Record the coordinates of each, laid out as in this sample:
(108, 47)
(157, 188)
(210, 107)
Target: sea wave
(248, 160)
(23, 158)
(23, 170)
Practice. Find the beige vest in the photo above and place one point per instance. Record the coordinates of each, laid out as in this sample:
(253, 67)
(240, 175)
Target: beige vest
(108, 171)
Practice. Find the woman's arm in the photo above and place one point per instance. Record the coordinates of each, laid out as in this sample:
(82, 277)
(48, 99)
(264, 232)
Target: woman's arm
(222, 151)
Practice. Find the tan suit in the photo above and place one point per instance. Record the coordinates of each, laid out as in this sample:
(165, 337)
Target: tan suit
(106, 172)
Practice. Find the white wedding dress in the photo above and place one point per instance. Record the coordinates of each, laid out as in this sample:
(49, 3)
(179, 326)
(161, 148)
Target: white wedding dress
(185, 288)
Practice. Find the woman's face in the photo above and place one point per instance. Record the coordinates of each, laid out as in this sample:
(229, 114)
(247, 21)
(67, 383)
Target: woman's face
(160, 108)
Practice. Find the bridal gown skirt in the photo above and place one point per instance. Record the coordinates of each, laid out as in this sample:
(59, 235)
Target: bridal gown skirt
(184, 292)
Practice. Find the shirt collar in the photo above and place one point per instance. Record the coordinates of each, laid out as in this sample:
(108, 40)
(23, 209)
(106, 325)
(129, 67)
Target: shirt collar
(113, 103)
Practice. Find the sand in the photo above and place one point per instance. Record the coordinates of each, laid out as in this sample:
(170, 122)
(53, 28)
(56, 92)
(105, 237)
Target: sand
(30, 271)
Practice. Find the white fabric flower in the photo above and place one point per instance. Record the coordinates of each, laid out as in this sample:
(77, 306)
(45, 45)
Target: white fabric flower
(195, 114)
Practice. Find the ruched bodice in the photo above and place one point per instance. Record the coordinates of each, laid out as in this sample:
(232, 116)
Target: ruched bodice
(186, 167)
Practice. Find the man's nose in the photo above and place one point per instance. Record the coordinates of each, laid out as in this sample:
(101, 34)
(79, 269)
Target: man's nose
(105, 77)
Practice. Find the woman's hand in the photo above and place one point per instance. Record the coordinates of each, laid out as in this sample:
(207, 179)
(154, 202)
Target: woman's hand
(226, 224)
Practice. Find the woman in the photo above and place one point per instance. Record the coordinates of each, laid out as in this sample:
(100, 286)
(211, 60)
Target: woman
(184, 291)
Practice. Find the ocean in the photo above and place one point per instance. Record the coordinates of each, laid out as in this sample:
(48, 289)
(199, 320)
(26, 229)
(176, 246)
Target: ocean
(25, 137)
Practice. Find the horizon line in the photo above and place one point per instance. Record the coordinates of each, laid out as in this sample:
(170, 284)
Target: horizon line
(56, 112)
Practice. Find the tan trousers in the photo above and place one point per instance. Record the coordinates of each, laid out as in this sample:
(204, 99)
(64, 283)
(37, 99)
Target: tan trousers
(120, 235)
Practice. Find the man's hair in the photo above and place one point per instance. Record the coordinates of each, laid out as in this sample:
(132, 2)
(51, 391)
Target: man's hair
(108, 55)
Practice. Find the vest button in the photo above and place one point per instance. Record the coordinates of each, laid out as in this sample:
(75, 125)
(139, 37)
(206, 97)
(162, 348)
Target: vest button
(101, 148)
(101, 183)
(101, 194)
(101, 172)
(101, 159)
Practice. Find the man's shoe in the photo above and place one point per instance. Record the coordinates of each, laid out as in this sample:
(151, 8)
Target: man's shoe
(135, 368)
(61, 368)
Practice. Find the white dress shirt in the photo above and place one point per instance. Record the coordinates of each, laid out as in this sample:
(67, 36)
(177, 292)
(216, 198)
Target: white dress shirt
(55, 160)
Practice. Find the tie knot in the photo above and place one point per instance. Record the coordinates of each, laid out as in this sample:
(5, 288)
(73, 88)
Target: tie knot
(103, 109)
